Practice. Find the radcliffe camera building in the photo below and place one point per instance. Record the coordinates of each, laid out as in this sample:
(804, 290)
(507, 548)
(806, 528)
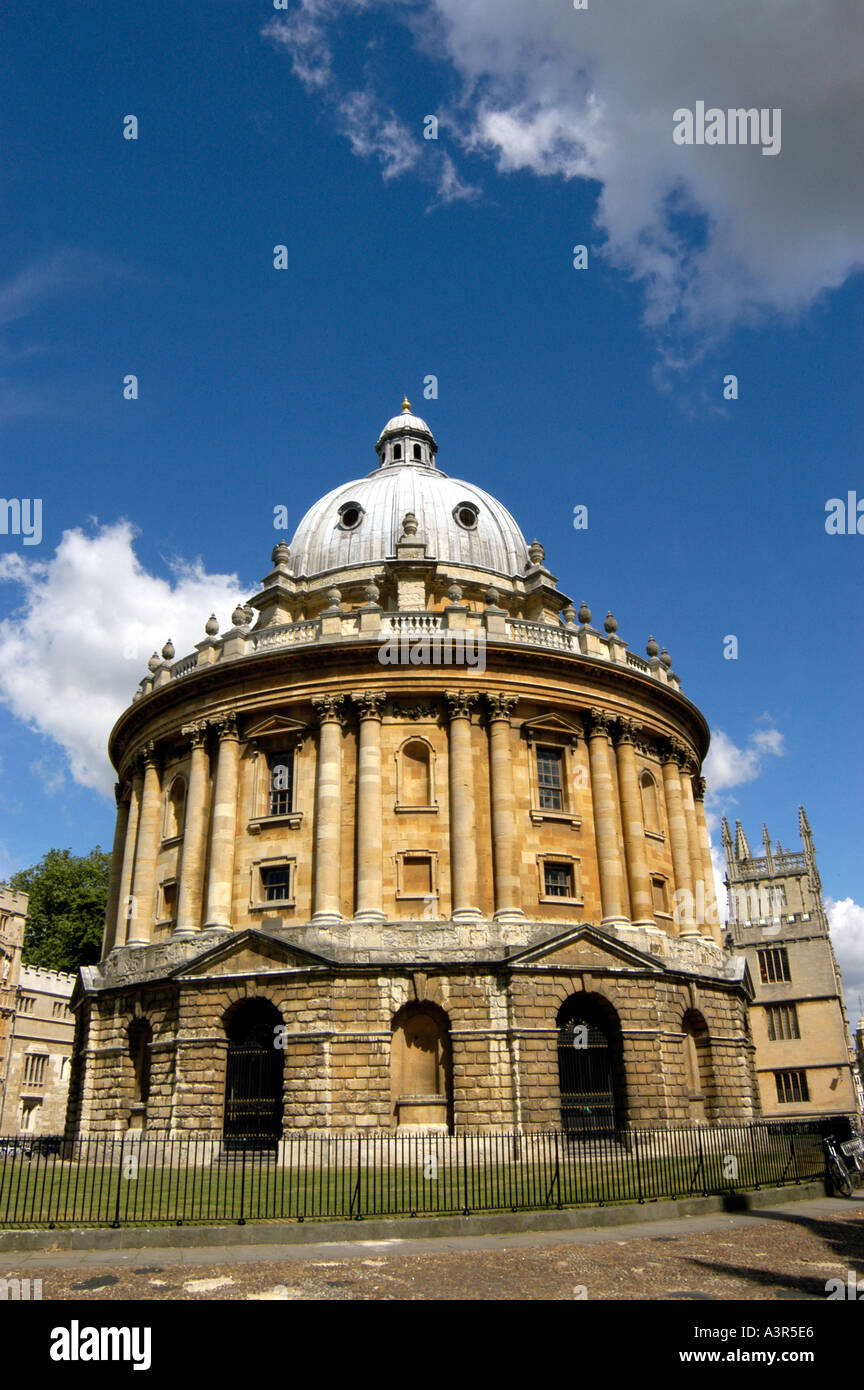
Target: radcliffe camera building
(417, 819)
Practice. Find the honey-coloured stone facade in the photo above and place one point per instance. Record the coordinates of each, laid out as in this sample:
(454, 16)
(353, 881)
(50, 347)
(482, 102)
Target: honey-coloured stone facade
(433, 880)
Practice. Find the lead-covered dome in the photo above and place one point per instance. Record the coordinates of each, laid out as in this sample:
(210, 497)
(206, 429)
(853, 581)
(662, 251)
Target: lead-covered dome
(360, 522)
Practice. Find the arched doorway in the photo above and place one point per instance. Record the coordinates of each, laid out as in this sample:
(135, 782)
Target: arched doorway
(253, 1076)
(591, 1074)
(420, 1068)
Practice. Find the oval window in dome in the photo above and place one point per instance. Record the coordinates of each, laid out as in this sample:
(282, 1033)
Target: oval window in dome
(466, 514)
(350, 515)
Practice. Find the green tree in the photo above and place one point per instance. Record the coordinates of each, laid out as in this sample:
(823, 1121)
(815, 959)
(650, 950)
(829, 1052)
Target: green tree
(66, 914)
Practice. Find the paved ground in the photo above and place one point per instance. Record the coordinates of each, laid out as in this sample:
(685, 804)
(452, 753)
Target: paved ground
(785, 1252)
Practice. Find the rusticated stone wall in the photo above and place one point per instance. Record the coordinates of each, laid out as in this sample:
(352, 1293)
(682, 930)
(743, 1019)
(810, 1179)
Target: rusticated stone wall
(503, 1034)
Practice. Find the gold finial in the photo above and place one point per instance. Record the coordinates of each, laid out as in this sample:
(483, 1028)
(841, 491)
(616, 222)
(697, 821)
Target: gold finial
(406, 405)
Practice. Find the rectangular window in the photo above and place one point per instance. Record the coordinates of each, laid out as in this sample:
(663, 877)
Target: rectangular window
(58, 1008)
(558, 880)
(782, 1022)
(26, 1003)
(774, 965)
(658, 892)
(549, 779)
(34, 1068)
(169, 901)
(281, 783)
(29, 1115)
(276, 884)
(791, 1087)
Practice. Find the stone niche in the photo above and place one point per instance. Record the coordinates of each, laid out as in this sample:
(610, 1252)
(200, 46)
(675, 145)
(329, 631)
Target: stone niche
(421, 1070)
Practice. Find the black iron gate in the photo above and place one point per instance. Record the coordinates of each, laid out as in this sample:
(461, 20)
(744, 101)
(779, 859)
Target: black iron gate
(585, 1077)
(253, 1095)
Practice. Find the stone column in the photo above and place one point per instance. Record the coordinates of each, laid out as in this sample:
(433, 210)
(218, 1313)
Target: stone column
(508, 906)
(674, 755)
(712, 911)
(463, 829)
(604, 800)
(144, 881)
(697, 868)
(327, 900)
(127, 871)
(638, 877)
(122, 797)
(369, 903)
(223, 828)
(191, 891)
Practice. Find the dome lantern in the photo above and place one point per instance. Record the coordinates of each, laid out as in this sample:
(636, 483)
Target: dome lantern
(406, 439)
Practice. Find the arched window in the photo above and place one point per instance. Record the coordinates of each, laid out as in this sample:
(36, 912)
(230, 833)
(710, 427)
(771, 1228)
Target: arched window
(415, 776)
(397, 451)
(420, 1067)
(175, 808)
(650, 804)
(417, 453)
(591, 1074)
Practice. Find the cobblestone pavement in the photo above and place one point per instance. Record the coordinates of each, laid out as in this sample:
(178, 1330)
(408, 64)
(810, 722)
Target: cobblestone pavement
(785, 1253)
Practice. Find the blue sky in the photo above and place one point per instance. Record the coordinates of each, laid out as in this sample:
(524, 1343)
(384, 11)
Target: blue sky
(409, 257)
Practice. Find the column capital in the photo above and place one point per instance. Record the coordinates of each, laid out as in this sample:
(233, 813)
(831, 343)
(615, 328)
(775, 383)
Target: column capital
(196, 733)
(146, 755)
(599, 722)
(627, 730)
(225, 726)
(121, 793)
(673, 750)
(459, 703)
(370, 703)
(700, 786)
(500, 706)
(328, 709)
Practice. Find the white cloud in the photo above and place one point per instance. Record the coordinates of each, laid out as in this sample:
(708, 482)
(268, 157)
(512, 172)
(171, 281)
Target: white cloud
(718, 861)
(73, 653)
(847, 932)
(728, 765)
(374, 131)
(591, 94)
(369, 123)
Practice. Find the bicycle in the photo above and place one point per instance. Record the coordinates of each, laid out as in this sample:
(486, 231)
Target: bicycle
(842, 1179)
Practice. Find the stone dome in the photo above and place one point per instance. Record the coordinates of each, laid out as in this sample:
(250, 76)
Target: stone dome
(360, 522)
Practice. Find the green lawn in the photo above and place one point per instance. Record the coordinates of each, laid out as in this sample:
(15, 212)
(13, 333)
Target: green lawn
(45, 1190)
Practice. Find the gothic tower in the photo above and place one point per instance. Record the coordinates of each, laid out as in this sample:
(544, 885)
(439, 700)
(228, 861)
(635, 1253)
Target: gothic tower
(804, 1059)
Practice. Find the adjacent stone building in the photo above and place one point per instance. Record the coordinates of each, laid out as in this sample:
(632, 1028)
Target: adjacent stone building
(410, 845)
(805, 1061)
(36, 1032)
(13, 914)
(37, 1086)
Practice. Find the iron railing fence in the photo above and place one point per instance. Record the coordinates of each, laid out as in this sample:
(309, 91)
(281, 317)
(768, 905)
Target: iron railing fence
(145, 1178)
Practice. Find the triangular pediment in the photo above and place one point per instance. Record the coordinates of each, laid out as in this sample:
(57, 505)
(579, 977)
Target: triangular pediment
(587, 948)
(274, 725)
(249, 952)
(556, 725)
